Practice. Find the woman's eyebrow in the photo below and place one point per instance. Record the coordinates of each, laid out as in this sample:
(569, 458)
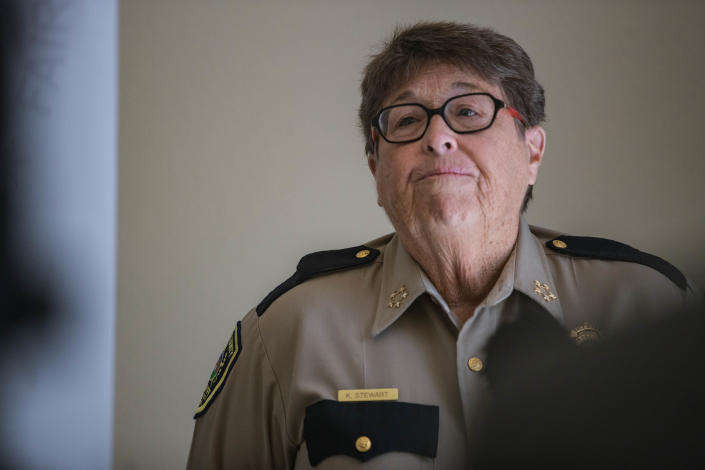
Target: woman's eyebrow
(408, 94)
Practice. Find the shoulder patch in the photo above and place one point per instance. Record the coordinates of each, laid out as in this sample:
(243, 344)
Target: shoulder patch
(222, 368)
(602, 248)
(317, 263)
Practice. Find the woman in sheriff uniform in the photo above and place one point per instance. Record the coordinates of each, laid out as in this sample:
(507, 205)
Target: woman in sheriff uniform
(375, 356)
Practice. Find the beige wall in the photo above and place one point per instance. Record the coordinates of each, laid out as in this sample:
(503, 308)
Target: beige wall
(239, 153)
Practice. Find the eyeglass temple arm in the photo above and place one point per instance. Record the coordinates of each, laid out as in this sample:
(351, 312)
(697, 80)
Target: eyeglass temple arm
(516, 114)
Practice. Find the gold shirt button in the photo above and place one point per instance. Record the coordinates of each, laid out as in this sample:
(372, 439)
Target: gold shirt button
(362, 254)
(559, 244)
(475, 364)
(363, 444)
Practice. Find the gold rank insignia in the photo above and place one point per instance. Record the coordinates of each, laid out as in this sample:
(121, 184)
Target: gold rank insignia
(585, 334)
(397, 298)
(544, 291)
(221, 370)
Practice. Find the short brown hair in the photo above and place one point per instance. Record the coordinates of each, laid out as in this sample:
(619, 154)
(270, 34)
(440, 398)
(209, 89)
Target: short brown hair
(492, 56)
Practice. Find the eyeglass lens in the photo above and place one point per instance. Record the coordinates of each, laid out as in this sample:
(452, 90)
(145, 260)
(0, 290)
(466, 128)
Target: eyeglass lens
(462, 114)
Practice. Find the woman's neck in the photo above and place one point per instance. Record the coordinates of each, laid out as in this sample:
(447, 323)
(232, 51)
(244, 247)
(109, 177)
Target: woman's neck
(463, 263)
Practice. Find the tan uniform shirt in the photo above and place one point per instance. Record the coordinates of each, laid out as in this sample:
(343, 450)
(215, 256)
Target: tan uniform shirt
(384, 325)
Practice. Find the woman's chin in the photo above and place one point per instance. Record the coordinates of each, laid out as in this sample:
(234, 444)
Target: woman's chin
(453, 213)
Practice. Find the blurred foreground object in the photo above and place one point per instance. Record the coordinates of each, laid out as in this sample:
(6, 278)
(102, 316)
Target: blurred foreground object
(634, 400)
(57, 241)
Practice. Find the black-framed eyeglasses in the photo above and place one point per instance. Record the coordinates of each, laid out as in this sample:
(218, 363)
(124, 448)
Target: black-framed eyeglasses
(464, 114)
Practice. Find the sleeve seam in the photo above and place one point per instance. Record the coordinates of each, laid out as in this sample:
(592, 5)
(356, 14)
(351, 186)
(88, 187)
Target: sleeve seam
(276, 380)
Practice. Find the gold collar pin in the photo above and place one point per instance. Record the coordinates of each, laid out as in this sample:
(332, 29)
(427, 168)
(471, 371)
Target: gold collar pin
(544, 291)
(397, 298)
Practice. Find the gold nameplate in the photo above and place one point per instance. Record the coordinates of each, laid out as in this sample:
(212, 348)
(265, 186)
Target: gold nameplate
(368, 394)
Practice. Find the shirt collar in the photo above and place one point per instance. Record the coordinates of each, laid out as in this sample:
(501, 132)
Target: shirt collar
(532, 275)
(402, 284)
(403, 280)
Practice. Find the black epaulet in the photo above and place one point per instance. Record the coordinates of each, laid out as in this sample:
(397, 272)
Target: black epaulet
(318, 263)
(602, 248)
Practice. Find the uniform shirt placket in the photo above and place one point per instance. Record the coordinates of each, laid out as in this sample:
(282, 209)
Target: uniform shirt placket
(471, 362)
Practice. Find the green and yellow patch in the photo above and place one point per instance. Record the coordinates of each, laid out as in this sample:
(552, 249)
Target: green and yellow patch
(222, 368)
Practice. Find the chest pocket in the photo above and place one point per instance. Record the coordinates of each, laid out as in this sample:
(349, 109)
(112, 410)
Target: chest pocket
(364, 430)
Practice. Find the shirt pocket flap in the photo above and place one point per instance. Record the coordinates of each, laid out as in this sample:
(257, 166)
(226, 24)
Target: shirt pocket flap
(364, 430)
